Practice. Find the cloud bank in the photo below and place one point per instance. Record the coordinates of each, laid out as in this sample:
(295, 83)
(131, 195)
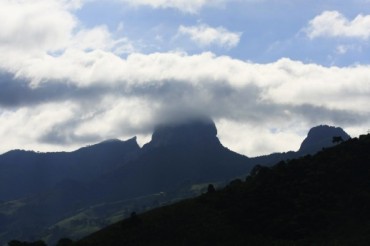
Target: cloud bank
(188, 6)
(99, 95)
(64, 85)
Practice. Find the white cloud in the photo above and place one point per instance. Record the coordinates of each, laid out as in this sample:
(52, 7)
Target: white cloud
(35, 25)
(41, 26)
(22, 127)
(124, 97)
(231, 133)
(190, 6)
(99, 38)
(205, 35)
(335, 24)
(345, 48)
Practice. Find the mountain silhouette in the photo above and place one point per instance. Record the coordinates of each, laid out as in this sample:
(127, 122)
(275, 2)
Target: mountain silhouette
(23, 173)
(179, 154)
(193, 132)
(103, 182)
(318, 138)
(321, 136)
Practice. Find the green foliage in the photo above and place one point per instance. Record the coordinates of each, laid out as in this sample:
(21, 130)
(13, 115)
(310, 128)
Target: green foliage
(314, 200)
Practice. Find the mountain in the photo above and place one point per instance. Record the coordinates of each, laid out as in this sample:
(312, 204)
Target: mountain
(52, 195)
(314, 200)
(178, 155)
(201, 131)
(318, 138)
(104, 182)
(321, 136)
(24, 173)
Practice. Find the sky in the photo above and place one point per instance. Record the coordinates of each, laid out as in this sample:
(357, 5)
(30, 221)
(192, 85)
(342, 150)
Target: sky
(77, 72)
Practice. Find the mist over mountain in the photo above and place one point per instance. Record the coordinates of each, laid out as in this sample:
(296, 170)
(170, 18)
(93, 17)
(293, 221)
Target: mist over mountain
(193, 132)
(64, 192)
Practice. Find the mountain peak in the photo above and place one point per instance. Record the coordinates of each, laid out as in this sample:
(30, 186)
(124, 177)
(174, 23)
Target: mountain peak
(321, 136)
(118, 141)
(194, 131)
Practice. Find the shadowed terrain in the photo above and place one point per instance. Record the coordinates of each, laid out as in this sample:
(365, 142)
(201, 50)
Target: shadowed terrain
(314, 200)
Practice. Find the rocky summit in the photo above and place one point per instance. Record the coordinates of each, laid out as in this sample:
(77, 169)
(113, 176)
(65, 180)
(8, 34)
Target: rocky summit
(320, 136)
(198, 131)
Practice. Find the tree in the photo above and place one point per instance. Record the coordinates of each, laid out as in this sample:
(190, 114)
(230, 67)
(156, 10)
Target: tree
(15, 243)
(19, 243)
(64, 242)
(134, 219)
(337, 139)
(211, 188)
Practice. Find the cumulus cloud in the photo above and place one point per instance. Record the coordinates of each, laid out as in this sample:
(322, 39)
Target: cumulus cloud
(35, 25)
(40, 26)
(335, 24)
(189, 6)
(108, 96)
(205, 35)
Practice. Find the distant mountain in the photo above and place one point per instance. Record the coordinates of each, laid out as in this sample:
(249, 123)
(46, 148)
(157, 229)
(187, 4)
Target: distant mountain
(317, 139)
(195, 132)
(24, 173)
(178, 155)
(321, 136)
(71, 194)
(314, 200)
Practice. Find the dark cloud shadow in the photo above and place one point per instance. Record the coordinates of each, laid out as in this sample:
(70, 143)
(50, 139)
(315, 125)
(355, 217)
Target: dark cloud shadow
(17, 92)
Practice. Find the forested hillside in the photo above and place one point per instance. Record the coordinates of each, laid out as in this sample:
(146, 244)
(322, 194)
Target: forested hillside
(314, 200)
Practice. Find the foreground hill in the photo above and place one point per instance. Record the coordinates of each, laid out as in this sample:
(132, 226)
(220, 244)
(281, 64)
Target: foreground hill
(315, 200)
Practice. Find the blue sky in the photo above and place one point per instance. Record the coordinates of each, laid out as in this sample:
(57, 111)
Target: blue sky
(74, 73)
(270, 29)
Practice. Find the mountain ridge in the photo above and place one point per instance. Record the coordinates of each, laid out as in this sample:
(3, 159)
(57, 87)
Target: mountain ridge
(179, 156)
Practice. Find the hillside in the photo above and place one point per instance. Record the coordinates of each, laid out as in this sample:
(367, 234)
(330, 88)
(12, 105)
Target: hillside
(314, 200)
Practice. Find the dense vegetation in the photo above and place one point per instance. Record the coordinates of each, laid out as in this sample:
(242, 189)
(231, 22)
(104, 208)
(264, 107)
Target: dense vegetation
(314, 200)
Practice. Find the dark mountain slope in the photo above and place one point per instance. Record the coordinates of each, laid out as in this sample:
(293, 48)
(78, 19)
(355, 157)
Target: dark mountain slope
(24, 173)
(314, 200)
(321, 136)
(178, 155)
